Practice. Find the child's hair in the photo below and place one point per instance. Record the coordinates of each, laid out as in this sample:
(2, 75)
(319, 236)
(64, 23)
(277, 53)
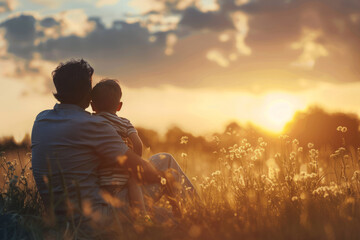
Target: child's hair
(106, 95)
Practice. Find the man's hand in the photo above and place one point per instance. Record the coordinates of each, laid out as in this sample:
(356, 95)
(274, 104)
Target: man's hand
(142, 168)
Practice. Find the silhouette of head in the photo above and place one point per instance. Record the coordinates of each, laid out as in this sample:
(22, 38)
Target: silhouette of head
(73, 81)
(106, 95)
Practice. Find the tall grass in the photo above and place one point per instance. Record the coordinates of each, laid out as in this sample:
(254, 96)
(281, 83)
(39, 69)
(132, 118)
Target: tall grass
(249, 191)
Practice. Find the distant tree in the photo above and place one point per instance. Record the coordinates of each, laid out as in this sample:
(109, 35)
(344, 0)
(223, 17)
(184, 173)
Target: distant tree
(9, 143)
(320, 127)
(150, 138)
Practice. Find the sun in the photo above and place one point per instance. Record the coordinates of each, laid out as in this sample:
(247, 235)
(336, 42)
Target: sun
(279, 112)
(279, 109)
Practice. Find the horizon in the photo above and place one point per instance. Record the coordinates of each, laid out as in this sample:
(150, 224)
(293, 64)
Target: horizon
(194, 64)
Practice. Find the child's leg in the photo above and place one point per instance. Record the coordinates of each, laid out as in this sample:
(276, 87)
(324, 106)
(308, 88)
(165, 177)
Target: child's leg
(136, 197)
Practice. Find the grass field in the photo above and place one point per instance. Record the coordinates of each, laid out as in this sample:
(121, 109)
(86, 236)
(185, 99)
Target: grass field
(248, 190)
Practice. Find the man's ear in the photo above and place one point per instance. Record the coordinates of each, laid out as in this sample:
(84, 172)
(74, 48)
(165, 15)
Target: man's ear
(120, 106)
(93, 107)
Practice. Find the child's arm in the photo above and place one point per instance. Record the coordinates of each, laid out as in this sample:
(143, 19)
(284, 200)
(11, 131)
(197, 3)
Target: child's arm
(136, 143)
(127, 130)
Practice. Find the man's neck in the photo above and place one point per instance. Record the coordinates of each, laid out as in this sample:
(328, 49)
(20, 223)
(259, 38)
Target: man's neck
(82, 105)
(113, 113)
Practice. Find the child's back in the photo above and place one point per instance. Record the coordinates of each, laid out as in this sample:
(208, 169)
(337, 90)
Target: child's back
(106, 97)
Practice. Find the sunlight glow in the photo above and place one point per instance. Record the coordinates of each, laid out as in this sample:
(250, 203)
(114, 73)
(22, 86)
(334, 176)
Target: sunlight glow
(278, 110)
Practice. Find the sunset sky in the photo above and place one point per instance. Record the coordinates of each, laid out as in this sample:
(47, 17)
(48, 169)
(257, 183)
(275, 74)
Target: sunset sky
(197, 64)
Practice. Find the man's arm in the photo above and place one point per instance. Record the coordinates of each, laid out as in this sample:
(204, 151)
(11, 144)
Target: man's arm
(112, 149)
(143, 169)
(136, 143)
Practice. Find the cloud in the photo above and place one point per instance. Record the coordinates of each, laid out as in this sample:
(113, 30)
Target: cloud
(195, 19)
(207, 5)
(20, 35)
(218, 57)
(102, 3)
(171, 40)
(311, 50)
(240, 21)
(148, 5)
(8, 5)
(74, 22)
(254, 45)
(3, 43)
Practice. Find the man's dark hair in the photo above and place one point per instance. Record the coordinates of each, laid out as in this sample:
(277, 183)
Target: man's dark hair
(106, 95)
(72, 81)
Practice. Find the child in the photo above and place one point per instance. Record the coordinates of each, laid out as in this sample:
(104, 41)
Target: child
(106, 97)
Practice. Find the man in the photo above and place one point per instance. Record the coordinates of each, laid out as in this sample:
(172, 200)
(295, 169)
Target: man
(68, 144)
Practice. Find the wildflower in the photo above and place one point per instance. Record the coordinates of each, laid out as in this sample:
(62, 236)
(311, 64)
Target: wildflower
(163, 181)
(216, 140)
(340, 151)
(216, 173)
(223, 150)
(182, 179)
(258, 152)
(184, 155)
(227, 166)
(294, 199)
(356, 176)
(184, 140)
(292, 156)
(233, 149)
(310, 145)
(296, 142)
(341, 129)
(249, 150)
(283, 137)
(303, 196)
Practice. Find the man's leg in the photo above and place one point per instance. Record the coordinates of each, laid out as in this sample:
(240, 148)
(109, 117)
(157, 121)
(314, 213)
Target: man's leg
(153, 192)
(166, 162)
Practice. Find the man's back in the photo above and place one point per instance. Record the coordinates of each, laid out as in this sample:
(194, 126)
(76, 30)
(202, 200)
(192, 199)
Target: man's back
(67, 145)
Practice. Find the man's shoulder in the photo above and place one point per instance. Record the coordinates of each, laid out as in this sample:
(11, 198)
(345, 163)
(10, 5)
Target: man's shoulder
(43, 114)
(76, 117)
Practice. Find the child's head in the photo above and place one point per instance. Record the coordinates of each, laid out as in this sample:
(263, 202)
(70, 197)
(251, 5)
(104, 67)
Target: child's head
(105, 96)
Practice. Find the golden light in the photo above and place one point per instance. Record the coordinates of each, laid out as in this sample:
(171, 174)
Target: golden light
(279, 108)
